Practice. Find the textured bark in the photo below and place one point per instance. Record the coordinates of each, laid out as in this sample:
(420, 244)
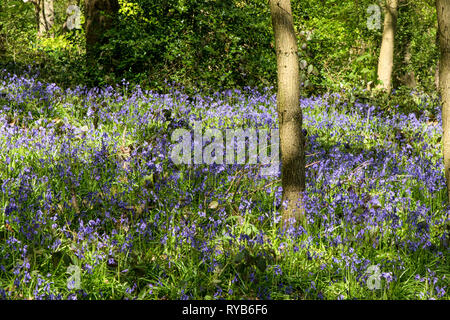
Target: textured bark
(386, 58)
(289, 111)
(45, 16)
(99, 18)
(443, 14)
(436, 73)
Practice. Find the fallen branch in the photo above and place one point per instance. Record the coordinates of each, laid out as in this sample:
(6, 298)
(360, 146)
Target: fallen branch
(311, 164)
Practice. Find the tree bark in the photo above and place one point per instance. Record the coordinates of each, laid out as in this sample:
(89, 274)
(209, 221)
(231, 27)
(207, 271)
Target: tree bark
(99, 18)
(436, 72)
(47, 18)
(443, 15)
(289, 111)
(386, 58)
(45, 15)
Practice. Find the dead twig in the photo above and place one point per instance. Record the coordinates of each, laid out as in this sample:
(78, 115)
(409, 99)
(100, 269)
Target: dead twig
(311, 164)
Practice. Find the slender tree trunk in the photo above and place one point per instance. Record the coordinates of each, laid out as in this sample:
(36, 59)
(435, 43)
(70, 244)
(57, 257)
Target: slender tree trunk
(45, 16)
(386, 58)
(99, 18)
(436, 73)
(443, 14)
(289, 111)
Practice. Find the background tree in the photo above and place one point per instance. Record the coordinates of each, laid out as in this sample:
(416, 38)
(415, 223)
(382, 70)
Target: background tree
(45, 15)
(443, 15)
(99, 20)
(289, 111)
(386, 58)
(214, 44)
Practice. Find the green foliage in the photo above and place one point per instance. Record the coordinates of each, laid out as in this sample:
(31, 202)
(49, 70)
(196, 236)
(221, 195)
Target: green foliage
(402, 100)
(59, 59)
(342, 48)
(225, 44)
(195, 43)
(417, 27)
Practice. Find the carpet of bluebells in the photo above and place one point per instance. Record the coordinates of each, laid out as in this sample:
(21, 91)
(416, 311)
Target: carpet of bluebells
(87, 181)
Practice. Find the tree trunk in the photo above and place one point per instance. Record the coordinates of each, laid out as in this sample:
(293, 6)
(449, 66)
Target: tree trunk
(289, 111)
(99, 18)
(45, 15)
(436, 75)
(443, 14)
(386, 58)
(47, 18)
(436, 72)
